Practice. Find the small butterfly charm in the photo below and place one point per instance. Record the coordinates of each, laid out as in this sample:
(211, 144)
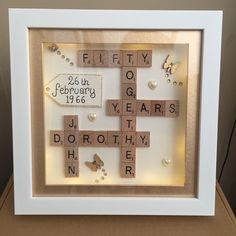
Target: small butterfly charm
(53, 47)
(169, 66)
(96, 164)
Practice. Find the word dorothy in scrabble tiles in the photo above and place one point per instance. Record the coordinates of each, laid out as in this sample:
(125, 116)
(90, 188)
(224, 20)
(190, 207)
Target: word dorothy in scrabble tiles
(72, 136)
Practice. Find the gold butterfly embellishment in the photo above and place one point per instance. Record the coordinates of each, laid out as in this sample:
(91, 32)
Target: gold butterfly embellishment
(96, 164)
(170, 67)
(53, 47)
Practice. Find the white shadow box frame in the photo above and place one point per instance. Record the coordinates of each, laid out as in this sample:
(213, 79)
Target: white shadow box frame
(209, 23)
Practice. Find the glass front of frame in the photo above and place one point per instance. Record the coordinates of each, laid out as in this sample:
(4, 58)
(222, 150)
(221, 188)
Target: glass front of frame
(115, 112)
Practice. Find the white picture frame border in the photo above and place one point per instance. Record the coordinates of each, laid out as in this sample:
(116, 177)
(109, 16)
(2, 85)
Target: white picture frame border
(210, 22)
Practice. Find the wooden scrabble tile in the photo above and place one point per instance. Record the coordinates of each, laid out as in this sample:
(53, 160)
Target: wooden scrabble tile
(127, 170)
(128, 123)
(100, 139)
(128, 139)
(144, 58)
(100, 58)
(85, 58)
(71, 154)
(128, 154)
(143, 107)
(72, 169)
(128, 75)
(86, 138)
(56, 138)
(71, 138)
(129, 107)
(114, 58)
(128, 91)
(143, 139)
(114, 107)
(130, 58)
(71, 122)
(172, 108)
(113, 138)
(158, 107)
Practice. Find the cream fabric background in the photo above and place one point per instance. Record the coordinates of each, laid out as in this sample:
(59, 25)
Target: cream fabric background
(228, 73)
